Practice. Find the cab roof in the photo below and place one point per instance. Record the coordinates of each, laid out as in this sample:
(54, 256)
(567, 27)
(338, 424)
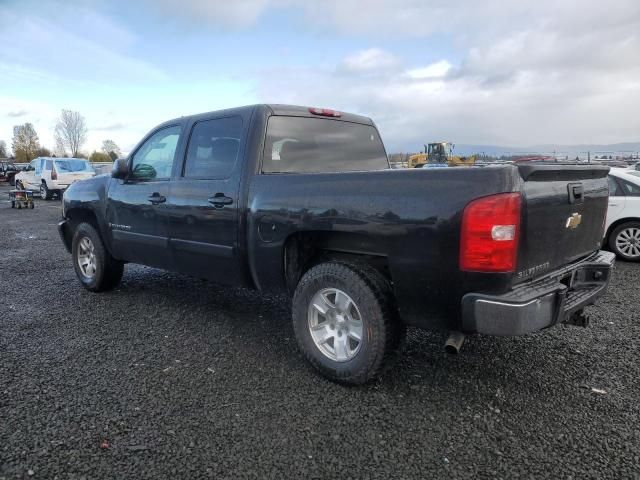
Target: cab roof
(277, 109)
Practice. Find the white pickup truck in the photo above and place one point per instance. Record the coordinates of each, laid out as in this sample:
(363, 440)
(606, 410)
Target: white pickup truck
(51, 175)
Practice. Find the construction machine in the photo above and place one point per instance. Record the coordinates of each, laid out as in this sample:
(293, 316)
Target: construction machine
(439, 153)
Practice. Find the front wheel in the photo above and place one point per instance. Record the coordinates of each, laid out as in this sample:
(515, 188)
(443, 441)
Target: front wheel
(19, 185)
(96, 269)
(345, 321)
(625, 241)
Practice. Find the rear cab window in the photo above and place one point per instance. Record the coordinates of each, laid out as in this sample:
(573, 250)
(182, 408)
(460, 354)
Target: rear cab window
(318, 145)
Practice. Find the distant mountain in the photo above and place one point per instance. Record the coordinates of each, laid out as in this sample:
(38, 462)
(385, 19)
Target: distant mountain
(572, 151)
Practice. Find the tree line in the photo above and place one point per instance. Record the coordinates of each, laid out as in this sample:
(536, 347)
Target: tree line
(70, 134)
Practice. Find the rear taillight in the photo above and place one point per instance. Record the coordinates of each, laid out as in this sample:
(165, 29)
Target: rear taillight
(54, 173)
(490, 230)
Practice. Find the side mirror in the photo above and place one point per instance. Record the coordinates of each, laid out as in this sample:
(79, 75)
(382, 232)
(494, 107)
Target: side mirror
(120, 168)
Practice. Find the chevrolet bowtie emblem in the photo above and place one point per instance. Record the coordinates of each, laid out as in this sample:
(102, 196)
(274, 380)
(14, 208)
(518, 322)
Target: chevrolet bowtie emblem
(574, 220)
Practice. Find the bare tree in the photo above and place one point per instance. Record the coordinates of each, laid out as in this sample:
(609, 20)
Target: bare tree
(71, 131)
(25, 142)
(3, 149)
(111, 148)
(60, 149)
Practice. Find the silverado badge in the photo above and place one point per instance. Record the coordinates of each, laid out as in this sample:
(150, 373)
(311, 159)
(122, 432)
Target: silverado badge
(574, 220)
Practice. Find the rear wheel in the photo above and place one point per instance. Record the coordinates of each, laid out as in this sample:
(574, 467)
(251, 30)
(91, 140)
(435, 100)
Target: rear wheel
(45, 193)
(624, 240)
(345, 322)
(96, 269)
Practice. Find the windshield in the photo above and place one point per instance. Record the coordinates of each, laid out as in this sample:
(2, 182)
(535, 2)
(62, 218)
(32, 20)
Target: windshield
(73, 165)
(634, 173)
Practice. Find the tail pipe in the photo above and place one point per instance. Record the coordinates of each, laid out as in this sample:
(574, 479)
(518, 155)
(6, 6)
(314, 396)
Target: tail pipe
(454, 342)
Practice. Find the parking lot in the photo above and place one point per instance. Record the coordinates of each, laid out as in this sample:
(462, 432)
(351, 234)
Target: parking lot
(171, 375)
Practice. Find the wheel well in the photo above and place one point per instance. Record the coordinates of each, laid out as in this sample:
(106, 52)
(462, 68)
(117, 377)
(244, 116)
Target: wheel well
(617, 223)
(304, 250)
(77, 216)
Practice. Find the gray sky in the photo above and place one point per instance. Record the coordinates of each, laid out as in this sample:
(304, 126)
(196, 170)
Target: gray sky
(492, 72)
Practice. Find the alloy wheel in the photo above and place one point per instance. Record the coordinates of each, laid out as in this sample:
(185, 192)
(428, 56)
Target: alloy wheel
(628, 242)
(335, 324)
(87, 257)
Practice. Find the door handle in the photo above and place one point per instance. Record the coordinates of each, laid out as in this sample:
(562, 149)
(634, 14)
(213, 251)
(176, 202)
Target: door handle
(156, 198)
(219, 200)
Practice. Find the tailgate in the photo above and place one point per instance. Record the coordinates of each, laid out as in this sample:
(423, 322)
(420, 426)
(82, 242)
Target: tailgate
(564, 209)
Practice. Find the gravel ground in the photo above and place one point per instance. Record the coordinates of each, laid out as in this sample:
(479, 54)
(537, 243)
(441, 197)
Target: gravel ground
(171, 377)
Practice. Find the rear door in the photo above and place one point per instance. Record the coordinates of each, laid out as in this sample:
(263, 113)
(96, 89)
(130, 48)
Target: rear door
(564, 216)
(136, 211)
(203, 202)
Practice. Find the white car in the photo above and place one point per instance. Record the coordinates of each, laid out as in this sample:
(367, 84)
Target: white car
(51, 175)
(623, 217)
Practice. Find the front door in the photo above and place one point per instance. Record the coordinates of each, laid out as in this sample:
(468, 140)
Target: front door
(203, 203)
(137, 211)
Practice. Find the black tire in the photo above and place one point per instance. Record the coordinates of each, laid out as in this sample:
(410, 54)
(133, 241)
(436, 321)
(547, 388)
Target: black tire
(13, 204)
(613, 241)
(31, 205)
(45, 193)
(383, 331)
(18, 185)
(12, 181)
(108, 270)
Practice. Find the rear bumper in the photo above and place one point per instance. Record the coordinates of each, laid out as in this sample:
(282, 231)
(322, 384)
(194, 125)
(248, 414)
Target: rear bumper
(541, 303)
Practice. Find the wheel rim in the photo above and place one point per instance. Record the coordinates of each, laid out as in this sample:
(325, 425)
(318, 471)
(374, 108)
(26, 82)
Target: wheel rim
(628, 242)
(335, 324)
(43, 191)
(87, 258)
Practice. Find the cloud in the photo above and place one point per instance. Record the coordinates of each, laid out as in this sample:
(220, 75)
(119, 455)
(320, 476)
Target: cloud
(370, 60)
(530, 72)
(17, 113)
(434, 70)
(53, 49)
(230, 14)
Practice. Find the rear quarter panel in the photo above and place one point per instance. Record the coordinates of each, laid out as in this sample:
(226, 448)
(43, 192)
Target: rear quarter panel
(412, 217)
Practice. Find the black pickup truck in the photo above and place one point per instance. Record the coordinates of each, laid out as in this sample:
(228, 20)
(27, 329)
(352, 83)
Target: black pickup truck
(302, 200)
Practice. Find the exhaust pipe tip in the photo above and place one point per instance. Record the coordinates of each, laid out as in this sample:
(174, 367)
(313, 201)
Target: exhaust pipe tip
(454, 343)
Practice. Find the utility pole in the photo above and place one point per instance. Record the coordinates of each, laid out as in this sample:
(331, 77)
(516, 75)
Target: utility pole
(588, 157)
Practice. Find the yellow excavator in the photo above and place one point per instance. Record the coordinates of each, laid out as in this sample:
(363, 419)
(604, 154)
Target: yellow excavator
(439, 153)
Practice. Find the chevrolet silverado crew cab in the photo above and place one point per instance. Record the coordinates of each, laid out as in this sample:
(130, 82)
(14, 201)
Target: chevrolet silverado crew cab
(302, 201)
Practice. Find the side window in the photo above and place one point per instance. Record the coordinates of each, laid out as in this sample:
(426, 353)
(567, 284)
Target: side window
(49, 165)
(38, 165)
(154, 159)
(32, 164)
(630, 189)
(213, 148)
(614, 187)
